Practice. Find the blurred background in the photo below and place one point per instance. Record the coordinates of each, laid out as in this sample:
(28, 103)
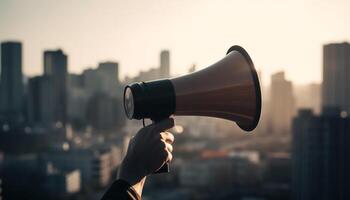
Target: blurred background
(64, 64)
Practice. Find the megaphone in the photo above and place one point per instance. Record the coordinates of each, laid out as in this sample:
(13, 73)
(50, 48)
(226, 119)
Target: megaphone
(228, 89)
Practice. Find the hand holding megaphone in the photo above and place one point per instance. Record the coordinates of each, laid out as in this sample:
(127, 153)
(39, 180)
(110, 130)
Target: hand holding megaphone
(148, 151)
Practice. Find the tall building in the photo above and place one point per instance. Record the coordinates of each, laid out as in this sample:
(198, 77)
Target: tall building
(164, 64)
(55, 66)
(40, 101)
(320, 154)
(11, 98)
(336, 76)
(282, 103)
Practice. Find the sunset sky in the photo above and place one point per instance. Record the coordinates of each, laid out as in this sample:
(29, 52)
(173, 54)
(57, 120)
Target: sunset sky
(278, 34)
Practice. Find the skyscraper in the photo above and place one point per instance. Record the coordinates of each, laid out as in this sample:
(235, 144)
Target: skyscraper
(282, 103)
(11, 80)
(336, 76)
(55, 67)
(164, 64)
(321, 159)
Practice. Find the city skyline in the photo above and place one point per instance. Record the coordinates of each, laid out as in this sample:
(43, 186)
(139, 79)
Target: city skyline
(64, 126)
(120, 32)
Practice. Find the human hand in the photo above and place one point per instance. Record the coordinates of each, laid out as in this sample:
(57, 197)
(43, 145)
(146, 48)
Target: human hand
(147, 152)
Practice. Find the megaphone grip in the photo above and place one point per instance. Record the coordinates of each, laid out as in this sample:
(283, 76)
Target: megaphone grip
(164, 169)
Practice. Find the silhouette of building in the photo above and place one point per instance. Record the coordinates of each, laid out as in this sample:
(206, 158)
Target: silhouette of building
(102, 79)
(336, 76)
(55, 66)
(109, 73)
(92, 82)
(320, 154)
(282, 103)
(40, 102)
(11, 97)
(164, 66)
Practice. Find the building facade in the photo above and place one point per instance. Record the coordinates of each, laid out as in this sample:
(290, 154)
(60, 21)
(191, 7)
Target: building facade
(55, 66)
(11, 98)
(282, 102)
(336, 75)
(320, 156)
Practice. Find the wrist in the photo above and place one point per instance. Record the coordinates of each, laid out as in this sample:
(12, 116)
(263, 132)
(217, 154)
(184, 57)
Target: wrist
(133, 174)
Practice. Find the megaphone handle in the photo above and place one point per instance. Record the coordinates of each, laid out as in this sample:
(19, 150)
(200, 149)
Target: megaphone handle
(165, 167)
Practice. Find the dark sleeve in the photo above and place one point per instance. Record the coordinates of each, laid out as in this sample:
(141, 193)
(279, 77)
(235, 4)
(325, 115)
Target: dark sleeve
(121, 190)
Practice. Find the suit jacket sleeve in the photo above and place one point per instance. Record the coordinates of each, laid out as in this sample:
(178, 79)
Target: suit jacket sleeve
(121, 190)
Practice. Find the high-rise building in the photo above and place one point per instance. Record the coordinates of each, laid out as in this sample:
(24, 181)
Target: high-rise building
(320, 156)
(11, 98)
(40, 101)
(164, 64)
(55, 66)
(336, 76)
(282, 103)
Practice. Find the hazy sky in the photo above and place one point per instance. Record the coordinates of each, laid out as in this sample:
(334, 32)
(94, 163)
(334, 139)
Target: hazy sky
(278, 34)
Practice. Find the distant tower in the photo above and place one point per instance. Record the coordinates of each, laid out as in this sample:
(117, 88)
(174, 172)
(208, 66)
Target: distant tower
(336, 76)
(282, 103)
(164, 64)
(11, 80)
(55, 66)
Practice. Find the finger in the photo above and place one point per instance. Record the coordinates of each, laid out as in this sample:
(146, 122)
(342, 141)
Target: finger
(170, 157)
(169, 147)
(167, 136)
(164, 125)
